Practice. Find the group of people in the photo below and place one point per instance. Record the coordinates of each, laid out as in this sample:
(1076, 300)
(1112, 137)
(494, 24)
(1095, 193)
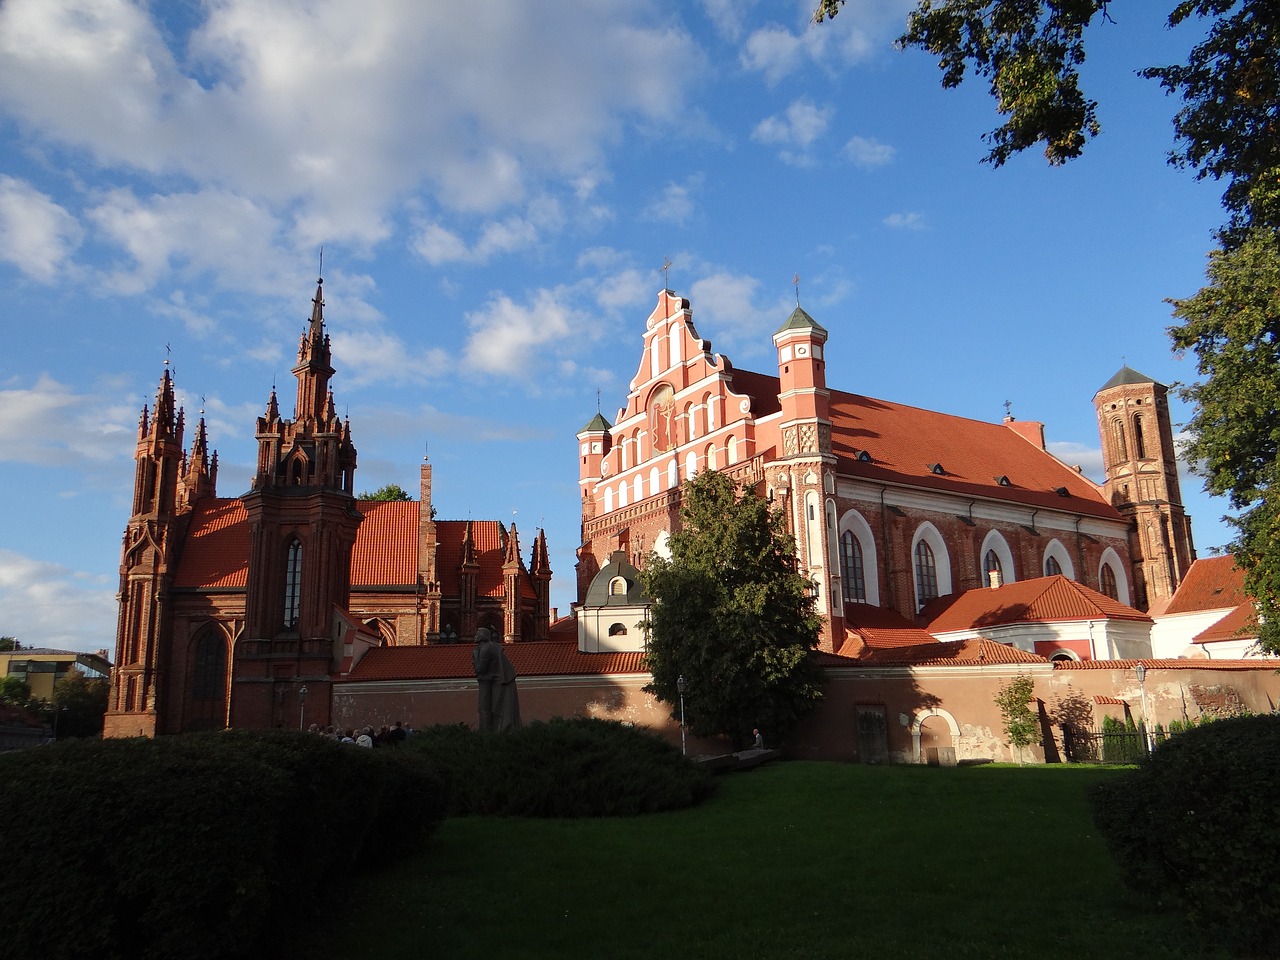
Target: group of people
(386, 736)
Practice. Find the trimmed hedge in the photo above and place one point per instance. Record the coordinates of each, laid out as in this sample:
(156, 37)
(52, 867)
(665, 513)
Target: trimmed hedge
(1196, 828)
(573, 767)
(196, 846)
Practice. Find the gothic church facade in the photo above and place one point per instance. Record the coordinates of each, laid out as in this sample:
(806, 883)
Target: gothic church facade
(242, 611)
(891, 506)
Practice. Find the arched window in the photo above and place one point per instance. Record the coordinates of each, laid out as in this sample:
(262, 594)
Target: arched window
(209, 666)
(617, 587)
(733, 449)
(293, 585)
(1122, 449)
(617, 630)
(1139, 444)
(638, 489)
(654, 483)
(852, 572)
(926, 574)
(1109, 585)
(1056, 561)
(691, 465)
(991, 565)
(608, 499)
(673, 474)
(1051, 567)
(622, 494)
(711, 458)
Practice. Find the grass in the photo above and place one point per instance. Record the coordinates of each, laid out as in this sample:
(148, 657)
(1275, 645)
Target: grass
(794, 860)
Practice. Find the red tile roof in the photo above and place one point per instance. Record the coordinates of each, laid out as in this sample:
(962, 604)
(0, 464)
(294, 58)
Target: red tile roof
(386, 548)
(1240, 624)
(453, 661)
(1042, 600)
(904, 443)
(1113, 701)
(952, 652)
(1212, 583)
(870, 627)
(216, 551)
(1256, 663)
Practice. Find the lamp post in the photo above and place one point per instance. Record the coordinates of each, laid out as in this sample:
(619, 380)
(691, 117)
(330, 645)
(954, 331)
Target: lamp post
(302, 706)
(681, 687)
(1141, 671)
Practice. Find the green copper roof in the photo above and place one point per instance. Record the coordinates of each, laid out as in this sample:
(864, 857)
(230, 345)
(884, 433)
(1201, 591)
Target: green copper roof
(1127, 375)
(596, 424)
(799, 320)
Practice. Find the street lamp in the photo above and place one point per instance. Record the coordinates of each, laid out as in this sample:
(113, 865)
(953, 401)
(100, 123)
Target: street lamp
(681, 687)
(1141, 671)
(302, 706)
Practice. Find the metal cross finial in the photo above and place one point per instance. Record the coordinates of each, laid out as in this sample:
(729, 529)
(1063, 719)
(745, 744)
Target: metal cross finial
(202, 404)
(796, 280)
(167, 351)
(321, 274)
(1007, 408)
(666, 269)
(597, 399)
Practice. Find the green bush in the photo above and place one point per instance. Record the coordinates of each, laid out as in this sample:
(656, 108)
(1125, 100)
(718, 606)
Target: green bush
(1196, 827)
(562, 768)
(196, 846)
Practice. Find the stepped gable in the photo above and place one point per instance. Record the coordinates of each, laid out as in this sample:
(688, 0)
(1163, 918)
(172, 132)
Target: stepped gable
(1042, 600)
(531, 658)
(1212, 583)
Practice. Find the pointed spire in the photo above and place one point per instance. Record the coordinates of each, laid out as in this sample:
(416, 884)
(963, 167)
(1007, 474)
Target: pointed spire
(273, 408)
(143, 422)
(468, 545)
(540, 561)
(512, 552)
(330, 409)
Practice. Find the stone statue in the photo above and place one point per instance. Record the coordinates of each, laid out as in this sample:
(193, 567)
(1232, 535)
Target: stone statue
(499, 702)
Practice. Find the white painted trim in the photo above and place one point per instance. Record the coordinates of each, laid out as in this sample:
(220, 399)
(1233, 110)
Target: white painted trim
(1056, 550)
(941, 557)
(856, 523)
(918, 723)
(995, 541)
(1112, 559)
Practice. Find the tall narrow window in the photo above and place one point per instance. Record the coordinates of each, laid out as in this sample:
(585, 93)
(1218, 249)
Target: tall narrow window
(926, 573)
(293, 585)
(1109, 582)
(1122, 449)
(1139, 444)
(991, 565)
(851, 572)
(1051, 567)
(209, 671)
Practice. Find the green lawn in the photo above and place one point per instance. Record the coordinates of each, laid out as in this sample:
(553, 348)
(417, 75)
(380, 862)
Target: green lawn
(802, 860)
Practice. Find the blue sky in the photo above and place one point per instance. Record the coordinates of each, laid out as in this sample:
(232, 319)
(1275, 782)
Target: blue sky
(495, 187)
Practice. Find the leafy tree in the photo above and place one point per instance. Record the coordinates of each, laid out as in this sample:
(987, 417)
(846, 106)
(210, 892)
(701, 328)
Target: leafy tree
(15, 692)
(732, 616)
(80, 704)
(1013, 699)
(9, 644)
(390, 491)
(1233, 325)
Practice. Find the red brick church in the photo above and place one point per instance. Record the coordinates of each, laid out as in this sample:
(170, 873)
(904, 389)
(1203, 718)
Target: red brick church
(891, 506)
(240, 611)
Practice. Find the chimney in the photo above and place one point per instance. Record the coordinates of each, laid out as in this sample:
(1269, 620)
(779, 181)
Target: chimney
(993, 578)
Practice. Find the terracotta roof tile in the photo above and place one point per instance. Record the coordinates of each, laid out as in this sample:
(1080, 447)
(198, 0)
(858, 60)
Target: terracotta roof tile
(386, 548)
(879, 627)
(1255, 663)
(215, 554)
(1113, 701)
(952, 652)
(1042, 600)
(1212, 583)
(1240, 624)
(453, 661)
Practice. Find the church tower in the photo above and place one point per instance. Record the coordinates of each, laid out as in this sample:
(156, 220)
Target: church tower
(167, 483)
(1142, 483)
(302, 520)
(804, 476)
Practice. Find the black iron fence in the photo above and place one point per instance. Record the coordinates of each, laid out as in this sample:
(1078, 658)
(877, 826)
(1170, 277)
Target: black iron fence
(1105, 746)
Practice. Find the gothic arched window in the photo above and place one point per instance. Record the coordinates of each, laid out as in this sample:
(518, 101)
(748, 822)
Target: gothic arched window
(926, 573)
(1051, 567)
(209, 669)
(1109, 582)
(293, 585)
(851, 569)
(990, 565)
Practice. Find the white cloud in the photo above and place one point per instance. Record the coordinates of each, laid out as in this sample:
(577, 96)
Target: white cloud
(863, 28)
(48, 605)
(507, 336)
(773, 51)
(36, 235)
(905, 221)
(370, 356)
(323, 116)
(675, 204)
(866, 152)
(1085, 456)
(798, 127)
(627, 289)
(729, 305)
(51, 424)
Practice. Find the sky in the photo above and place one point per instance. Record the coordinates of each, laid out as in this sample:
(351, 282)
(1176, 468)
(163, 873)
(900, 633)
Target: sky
(495, 187)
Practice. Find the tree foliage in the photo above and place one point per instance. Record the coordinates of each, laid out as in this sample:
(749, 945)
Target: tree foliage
(1014, 699)
(9, 644)
(1233, 325)
(81, 704)
(390, 491)
(732, 616)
